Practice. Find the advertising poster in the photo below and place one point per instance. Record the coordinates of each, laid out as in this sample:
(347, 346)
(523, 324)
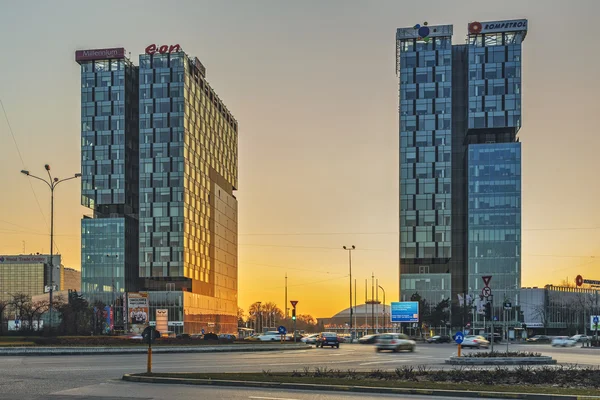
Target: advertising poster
(162, 320)
(405, 311)
(138, 306)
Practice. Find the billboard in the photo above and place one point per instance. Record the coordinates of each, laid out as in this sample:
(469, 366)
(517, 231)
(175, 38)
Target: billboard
(594, 323)
(514, 25)
(405, 311)
(138, 306)
(99, 54)
(162, 320)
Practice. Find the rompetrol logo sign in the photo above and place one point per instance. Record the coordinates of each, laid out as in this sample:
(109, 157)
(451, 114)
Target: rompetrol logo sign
(497, 26)
(164, 49)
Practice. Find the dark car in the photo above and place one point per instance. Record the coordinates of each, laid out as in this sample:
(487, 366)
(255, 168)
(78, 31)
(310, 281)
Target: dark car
(368, 339)
(184, 336)
(439, 339)
(328, 339)
(497, 337)
(539, 339)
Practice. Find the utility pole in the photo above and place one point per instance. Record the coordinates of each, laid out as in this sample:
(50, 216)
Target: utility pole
(366, 312)
(384, 319)
(350, 267)
(52, 184)
(373, 301)
(285, 302)
(355, 324)
(377, 302)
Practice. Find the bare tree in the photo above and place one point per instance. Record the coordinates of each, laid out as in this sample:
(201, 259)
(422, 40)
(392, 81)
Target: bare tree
(3, 306)
(21, 304)
(541, 311)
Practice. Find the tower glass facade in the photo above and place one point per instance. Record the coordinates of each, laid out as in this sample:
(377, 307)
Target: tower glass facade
(109, 166)
(494, 197)
(425, 70)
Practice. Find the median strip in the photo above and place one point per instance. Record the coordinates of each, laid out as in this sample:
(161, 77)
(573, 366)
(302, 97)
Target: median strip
(520, 383)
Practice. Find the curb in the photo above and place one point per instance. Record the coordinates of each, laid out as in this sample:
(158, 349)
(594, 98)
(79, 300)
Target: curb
(71, 351)
(543, 360)
(353, 389)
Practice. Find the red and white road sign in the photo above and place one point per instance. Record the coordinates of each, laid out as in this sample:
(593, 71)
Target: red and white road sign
(294, 302)
(486, 291)
(579, 280)
(486, 280)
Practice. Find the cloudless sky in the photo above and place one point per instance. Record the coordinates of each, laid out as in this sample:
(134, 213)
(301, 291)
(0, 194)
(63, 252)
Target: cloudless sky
(313, 87)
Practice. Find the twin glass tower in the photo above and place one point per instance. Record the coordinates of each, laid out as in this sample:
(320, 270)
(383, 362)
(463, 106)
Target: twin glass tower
(460, 161)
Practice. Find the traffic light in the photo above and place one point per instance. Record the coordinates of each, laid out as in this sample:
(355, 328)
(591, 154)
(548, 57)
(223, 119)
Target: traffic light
(488, 311)
(293, 314)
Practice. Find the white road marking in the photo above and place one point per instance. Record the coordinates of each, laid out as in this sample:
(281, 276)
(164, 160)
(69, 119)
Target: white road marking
(270, 398)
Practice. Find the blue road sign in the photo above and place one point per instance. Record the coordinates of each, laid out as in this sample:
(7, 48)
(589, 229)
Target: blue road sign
(203, 331)
(282, 330)
(596, 319)
(495, 318)
(459, 337)
(405, 311)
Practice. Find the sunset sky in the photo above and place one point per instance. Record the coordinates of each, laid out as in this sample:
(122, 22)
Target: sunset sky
(313, 87)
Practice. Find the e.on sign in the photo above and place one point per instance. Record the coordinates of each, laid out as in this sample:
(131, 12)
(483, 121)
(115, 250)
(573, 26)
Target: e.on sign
(153, 48)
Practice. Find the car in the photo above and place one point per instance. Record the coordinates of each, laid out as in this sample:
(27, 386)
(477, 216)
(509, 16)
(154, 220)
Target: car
(580, 338)
(310, 339)
(183, 336)
(270, 336)
(253, 338)
(563, 341)
(475, 341)
(394, 342)
(497, 337)
(368, 339)
(328, 339)
(538, 339)
(439, 339)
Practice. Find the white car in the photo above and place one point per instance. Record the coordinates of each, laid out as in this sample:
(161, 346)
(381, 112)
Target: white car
(270, 336)
(474, 341)
(563, 341)
(310, 339)
(394, 342)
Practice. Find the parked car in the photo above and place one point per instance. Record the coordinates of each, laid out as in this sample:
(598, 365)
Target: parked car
(439, 339)
(368, 339)
(563, 341)
(394, 342)
(328, 339)
(253, 338)
(539, 339)
(580, 338)
(497, 337)
(476, 342)
(310, 339)
(184, 336)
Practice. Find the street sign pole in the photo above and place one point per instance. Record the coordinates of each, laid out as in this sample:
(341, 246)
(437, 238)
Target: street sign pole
(492, 321)
(294, 303)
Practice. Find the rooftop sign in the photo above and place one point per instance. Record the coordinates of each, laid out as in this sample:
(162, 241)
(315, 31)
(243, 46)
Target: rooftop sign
(498, 26)
(164, 49)
(423, 31)
(23, 259)
(99, 54)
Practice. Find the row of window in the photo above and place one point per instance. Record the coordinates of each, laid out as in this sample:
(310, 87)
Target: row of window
(437, 170)
(422, 202)
(497, 39)
(494, 103)
(413, 155)
(103, 79)
(427, 75)
(422, 219)
(412, 91)
(425, 186)
(104, 65)
(425, 122)
(425, 138)
(495, 71)
(484, 201)
(425, 106)
(436, 43)
(425, 250)
(496, 119)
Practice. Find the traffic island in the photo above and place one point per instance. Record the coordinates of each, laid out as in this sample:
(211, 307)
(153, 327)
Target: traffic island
(519, 383)
(502, 358)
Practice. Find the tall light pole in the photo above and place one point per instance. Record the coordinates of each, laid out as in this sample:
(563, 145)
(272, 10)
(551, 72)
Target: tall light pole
(52, 184)
(350, 266)
(381, 287)
(114, 295)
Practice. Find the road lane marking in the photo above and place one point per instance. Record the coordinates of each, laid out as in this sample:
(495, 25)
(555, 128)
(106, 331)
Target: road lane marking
(270, 398)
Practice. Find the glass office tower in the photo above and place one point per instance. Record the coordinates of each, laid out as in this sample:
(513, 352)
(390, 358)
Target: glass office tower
(494, 159)
(425, 69)
(460, 160)
(188, 173)
(109, 166)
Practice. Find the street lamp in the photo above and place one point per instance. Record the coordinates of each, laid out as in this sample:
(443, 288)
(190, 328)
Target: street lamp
(52, 184)
(350, 267)
(381, 287)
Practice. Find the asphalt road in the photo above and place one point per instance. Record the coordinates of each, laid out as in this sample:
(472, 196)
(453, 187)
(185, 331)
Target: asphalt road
(36, 378)
(140, 391)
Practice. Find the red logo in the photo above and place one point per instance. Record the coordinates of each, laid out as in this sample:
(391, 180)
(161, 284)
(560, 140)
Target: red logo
(475, 28)
(579, 280)
(153, 48)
